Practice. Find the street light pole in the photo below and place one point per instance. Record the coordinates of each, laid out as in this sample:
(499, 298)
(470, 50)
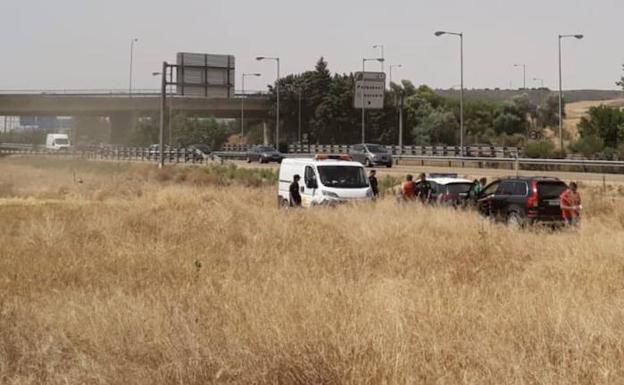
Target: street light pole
(277, 91)
(364, 60)
(523, 74)
(170, 103)
(163, 105)
(539, 80)
(461, 91)
(299, 125)
(394, 66)
(381, 48)
(400, 106)
(578, 37)
(243, 76)
(132, 41)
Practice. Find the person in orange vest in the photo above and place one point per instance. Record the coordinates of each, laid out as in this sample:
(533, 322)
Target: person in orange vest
(570, 203)
(409, 188)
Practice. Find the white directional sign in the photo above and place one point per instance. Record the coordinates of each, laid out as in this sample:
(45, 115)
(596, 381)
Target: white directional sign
(373, 84)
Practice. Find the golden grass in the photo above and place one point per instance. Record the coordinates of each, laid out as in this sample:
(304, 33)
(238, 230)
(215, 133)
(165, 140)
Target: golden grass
(130, 280)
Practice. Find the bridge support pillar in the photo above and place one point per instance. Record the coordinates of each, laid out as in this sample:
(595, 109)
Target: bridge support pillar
(121, 123)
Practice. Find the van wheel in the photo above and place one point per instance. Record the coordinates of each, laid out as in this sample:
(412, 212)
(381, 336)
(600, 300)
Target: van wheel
(284, 204)
(389, 165)
(515, 220)
(248, 160)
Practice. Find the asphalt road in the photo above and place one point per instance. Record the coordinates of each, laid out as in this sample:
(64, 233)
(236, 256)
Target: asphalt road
(472, 173)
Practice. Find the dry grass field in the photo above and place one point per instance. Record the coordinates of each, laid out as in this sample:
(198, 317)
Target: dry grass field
(116, 274)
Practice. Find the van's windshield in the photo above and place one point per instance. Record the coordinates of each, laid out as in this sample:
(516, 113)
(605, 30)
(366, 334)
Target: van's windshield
(61, 141)
(343, 176)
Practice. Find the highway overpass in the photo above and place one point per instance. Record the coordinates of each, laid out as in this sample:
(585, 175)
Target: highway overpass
(123, 109)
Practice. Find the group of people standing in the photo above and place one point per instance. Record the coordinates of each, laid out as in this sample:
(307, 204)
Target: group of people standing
(411, 191)
(570, 199)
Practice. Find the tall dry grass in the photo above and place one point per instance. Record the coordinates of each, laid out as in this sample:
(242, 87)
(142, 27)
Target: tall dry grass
(137, 280)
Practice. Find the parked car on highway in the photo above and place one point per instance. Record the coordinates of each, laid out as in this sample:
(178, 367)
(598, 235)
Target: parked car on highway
(448, 191)
(522, 201)
(371, 154)
(264, 154)
(200, 151)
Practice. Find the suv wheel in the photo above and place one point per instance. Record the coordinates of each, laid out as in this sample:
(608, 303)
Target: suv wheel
(248, 159)
(515, 220)
(368, 163)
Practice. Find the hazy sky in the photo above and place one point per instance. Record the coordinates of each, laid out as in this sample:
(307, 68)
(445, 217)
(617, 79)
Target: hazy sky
(70, 44)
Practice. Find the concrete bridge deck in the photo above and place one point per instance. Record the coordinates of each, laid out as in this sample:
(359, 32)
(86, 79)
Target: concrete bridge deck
(137, 105)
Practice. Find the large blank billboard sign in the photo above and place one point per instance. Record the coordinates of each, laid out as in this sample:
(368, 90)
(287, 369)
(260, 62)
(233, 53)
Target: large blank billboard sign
(205, 75)
(373, 85)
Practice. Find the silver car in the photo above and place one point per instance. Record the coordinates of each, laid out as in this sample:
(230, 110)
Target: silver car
(371, 155)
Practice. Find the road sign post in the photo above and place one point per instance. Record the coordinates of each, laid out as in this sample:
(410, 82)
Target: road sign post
(370, 88)
(373, 85)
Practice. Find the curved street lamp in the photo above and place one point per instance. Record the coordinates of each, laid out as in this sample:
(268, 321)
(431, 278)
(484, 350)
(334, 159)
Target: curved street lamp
(461, 90)
(578, 37)
(277, 91)
(243, 76)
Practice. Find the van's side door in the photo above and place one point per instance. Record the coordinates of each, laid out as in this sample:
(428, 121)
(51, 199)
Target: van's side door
(308, 189)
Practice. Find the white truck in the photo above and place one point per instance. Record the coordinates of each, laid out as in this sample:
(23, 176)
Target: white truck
(324, 180)
(57, 142)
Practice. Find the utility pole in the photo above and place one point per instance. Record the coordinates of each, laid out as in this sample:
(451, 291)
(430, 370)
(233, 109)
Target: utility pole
(243, 101)
(277, 91)
(163, 107)
(299, 125)
(132, 41)
(523, 74)
(461, 91)
(401, 122)
(578, 37)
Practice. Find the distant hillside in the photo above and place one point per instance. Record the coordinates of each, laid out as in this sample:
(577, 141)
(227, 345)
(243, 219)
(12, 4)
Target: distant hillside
(536, 95)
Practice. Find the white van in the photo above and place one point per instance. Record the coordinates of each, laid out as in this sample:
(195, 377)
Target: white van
(57, 142)
(324, 181)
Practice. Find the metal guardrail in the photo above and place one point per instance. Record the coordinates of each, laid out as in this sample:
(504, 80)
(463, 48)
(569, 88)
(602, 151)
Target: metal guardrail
(183, 155)
(472, 151)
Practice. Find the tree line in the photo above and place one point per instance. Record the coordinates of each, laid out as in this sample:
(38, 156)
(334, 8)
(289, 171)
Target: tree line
(329, 117)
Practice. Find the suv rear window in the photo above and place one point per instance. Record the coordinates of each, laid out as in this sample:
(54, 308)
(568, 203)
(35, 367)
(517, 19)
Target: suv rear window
(550, 190)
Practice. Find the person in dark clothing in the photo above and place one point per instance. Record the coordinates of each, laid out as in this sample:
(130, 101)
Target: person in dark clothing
(424, 189)
(295, 196)
(372, 178)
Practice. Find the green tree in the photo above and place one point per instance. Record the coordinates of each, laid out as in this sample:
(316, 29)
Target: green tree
(145, 132)
(187, 131)
(604, 122)
(540, 149)
(548, 112)
(588, 145)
